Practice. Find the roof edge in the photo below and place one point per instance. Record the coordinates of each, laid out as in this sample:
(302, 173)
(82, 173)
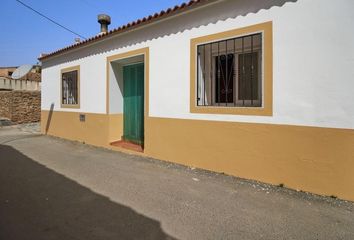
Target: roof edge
(178, 9)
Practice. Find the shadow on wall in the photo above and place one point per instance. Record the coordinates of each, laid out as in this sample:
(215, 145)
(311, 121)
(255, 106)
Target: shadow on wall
(49, 119)
(38, 203)
(228, 9)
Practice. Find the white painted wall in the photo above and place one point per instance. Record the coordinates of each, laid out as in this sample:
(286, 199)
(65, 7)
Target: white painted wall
(313, 66)
(92, 85)
(12, 84)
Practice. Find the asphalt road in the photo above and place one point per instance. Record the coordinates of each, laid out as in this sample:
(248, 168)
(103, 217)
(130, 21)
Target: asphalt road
(57, 189)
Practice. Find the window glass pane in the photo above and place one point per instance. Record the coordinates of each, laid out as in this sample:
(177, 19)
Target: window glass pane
(224, 78)
(248, 83)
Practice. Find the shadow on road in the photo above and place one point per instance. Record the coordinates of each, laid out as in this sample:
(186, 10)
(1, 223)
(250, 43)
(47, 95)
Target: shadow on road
(38, 203)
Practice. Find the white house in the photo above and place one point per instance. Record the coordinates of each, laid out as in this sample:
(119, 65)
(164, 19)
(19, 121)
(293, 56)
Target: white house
(257, 89)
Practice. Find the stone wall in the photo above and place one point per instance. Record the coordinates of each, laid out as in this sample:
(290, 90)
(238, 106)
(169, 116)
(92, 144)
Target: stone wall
(5, 104)
(21, 106)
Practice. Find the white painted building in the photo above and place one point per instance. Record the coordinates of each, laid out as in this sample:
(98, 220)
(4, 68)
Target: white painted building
(256, 89)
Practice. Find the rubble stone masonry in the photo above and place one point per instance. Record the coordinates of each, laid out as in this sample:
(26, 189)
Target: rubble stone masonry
(20, 106)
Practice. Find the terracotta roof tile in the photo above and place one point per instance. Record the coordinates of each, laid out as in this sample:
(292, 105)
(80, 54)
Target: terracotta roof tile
(145, 20)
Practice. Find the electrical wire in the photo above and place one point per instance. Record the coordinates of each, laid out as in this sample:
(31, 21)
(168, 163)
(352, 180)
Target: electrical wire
(49, 19)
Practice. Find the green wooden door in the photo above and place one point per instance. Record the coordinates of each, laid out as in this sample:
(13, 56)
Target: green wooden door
(133, 77)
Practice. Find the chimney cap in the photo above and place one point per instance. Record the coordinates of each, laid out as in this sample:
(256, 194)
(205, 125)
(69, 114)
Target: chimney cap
(104, 19)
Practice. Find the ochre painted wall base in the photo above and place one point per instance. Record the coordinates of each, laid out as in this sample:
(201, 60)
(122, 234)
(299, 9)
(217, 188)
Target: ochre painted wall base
(98, 129)
(318, 160)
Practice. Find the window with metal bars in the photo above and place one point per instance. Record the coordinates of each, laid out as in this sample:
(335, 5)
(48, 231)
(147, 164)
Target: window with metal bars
(70, 88)
(229, 72)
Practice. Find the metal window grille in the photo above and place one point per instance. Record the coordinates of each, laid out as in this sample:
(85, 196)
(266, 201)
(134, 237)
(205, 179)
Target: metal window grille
(229, 72)
(70, 88)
